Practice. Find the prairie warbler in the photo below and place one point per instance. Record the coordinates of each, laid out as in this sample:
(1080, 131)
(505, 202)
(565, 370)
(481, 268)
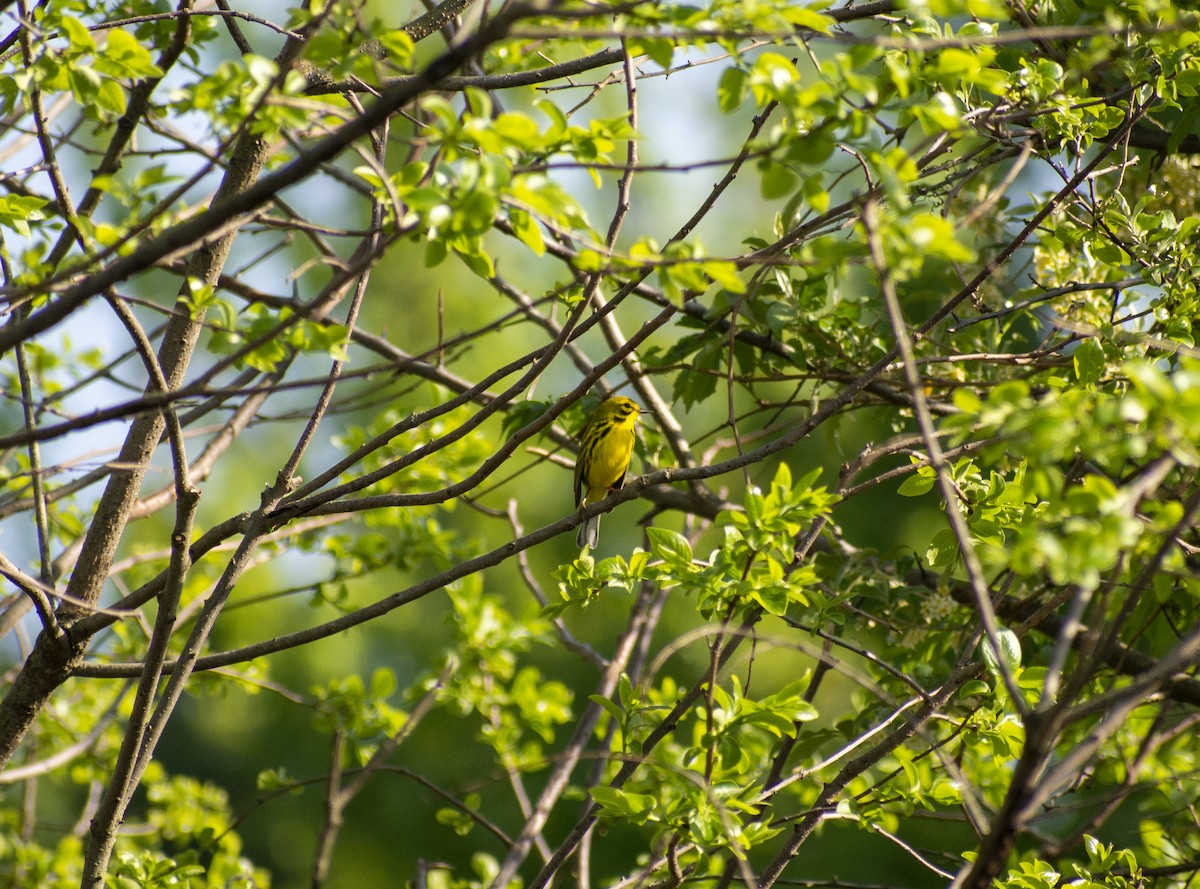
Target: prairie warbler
(605, 446)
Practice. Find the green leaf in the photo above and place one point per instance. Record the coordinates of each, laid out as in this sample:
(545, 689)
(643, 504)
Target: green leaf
(812, 148)
(943, 549)
(815, 194)
(804, 17)
(725, 274)
(111, 98)
(614, 803)
(772, 77)
(85, 83)
(610, 707)
(732, 89)
(458, 821)
(527, 231)
(920, 482)
(974, 687)
(1010, 651)
(777, 181)
(399, 47)
(660, 49)
(669, 546)
(478, 262)
(1088, 362)
(936, 236)
(77, 33)
(124, 56)
(17, 211)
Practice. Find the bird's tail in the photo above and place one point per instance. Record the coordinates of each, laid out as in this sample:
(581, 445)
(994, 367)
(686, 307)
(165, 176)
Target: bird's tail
(588, 533)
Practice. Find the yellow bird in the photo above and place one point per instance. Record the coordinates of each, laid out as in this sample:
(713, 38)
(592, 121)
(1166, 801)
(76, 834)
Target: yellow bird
(605, 446)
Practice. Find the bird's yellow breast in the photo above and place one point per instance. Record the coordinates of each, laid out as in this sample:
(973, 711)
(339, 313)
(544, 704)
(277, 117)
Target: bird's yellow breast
(612, 458)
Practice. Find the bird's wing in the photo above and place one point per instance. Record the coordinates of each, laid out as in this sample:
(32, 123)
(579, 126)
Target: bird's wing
(578, 478)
